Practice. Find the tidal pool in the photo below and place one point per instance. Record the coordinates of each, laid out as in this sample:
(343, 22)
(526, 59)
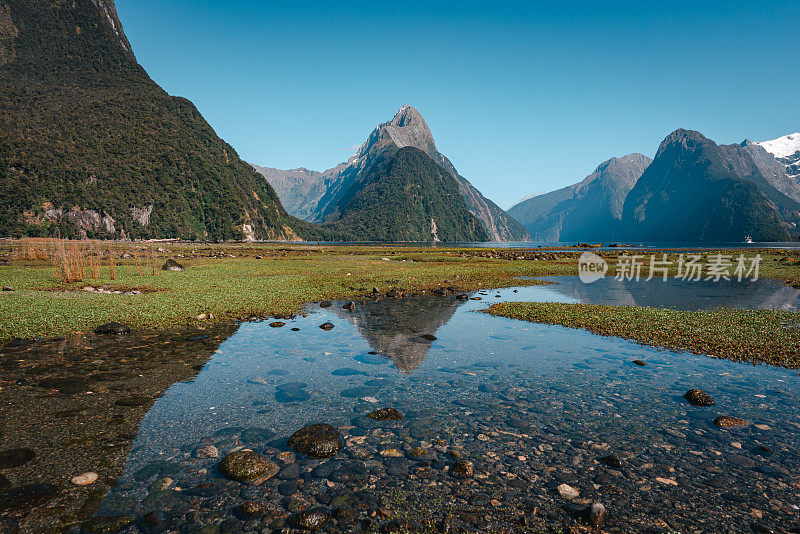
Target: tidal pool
(532, 407)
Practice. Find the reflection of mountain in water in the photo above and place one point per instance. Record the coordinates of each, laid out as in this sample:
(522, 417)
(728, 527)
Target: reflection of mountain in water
(393, 327)
(77, 405)
(680, 294)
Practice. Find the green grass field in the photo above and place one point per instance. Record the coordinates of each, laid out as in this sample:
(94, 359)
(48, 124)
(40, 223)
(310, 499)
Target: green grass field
(753, 336)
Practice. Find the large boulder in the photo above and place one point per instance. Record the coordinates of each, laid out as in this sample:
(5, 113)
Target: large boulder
(319, 441)
(697, 397)
(247, 466)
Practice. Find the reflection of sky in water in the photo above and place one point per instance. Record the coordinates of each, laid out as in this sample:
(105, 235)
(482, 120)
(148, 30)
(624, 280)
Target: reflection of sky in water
(673, 293)
(237, 386)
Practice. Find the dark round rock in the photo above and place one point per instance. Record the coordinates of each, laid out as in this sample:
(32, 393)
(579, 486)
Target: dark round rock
(345, 515)
(252, 508)
(157, 519)
(112, 329)
(277, 324)
(726, 421)
(386, 414)
(319, 441)
(326, 326)
(310, 519)
(247, 466)
(15, 457)
(325, 304)
(640, 363)
(292, 392)
(23, 498)
(462, 469)
(612, 460)
(350, 306)
(428, 337)
(697, 397)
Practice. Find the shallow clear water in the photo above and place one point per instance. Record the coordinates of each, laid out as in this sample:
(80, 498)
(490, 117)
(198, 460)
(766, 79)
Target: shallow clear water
(532, 406)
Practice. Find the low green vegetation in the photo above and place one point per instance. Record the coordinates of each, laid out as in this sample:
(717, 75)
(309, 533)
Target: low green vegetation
(235, 282)
(754, 336)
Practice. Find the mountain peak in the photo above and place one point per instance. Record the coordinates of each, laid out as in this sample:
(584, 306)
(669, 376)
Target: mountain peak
(685, 138)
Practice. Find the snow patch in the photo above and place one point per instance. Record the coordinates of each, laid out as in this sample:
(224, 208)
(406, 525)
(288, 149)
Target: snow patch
(782, 147)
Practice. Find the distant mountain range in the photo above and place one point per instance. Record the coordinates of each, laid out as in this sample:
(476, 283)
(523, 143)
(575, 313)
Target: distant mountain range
(91, 147)
(694, 190)
(326, 197)
(590, 210)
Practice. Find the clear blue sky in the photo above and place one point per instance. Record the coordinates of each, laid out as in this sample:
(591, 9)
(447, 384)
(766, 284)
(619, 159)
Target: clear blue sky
(523, 97)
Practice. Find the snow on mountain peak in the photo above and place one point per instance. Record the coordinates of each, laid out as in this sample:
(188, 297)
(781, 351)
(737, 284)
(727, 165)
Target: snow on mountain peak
(782, 147)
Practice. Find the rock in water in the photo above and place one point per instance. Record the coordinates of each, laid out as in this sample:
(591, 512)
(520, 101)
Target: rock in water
(697, 397)
(428, 337)
(277, 324)
(595, 514)
(326, 326)
(568, 492)
(247, 466)
(310, 519)
(22, 498)
(726, 421)
(325, 304)
(462, 469)
(292, 392)
(319, 441)
(85, 479)
(386, 414)
(172, 265)
(640, 363)
(112, 328)
(350, 306)
(612, 460)
(15, 457)
(252, 508)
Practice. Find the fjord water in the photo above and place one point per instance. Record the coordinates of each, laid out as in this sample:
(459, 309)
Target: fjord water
(532, 407)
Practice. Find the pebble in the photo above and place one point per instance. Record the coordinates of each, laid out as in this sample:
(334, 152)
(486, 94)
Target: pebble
(726, 421)
(84, 479)
(698, 397)
(667, 481)
(568, 492)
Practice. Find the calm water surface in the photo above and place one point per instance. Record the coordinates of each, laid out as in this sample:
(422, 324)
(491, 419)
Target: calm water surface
(531, 406)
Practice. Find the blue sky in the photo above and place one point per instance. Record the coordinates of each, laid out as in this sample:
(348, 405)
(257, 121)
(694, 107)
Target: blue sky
(523, 97)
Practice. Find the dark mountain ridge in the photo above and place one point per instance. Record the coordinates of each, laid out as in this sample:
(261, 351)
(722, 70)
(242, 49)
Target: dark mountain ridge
(696, 190)
(90, 146)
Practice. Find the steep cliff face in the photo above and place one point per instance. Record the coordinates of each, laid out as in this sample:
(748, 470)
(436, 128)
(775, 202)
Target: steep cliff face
(696, 190)
(323, 197)
(109, 10)
(89, 145)
(590, 210)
